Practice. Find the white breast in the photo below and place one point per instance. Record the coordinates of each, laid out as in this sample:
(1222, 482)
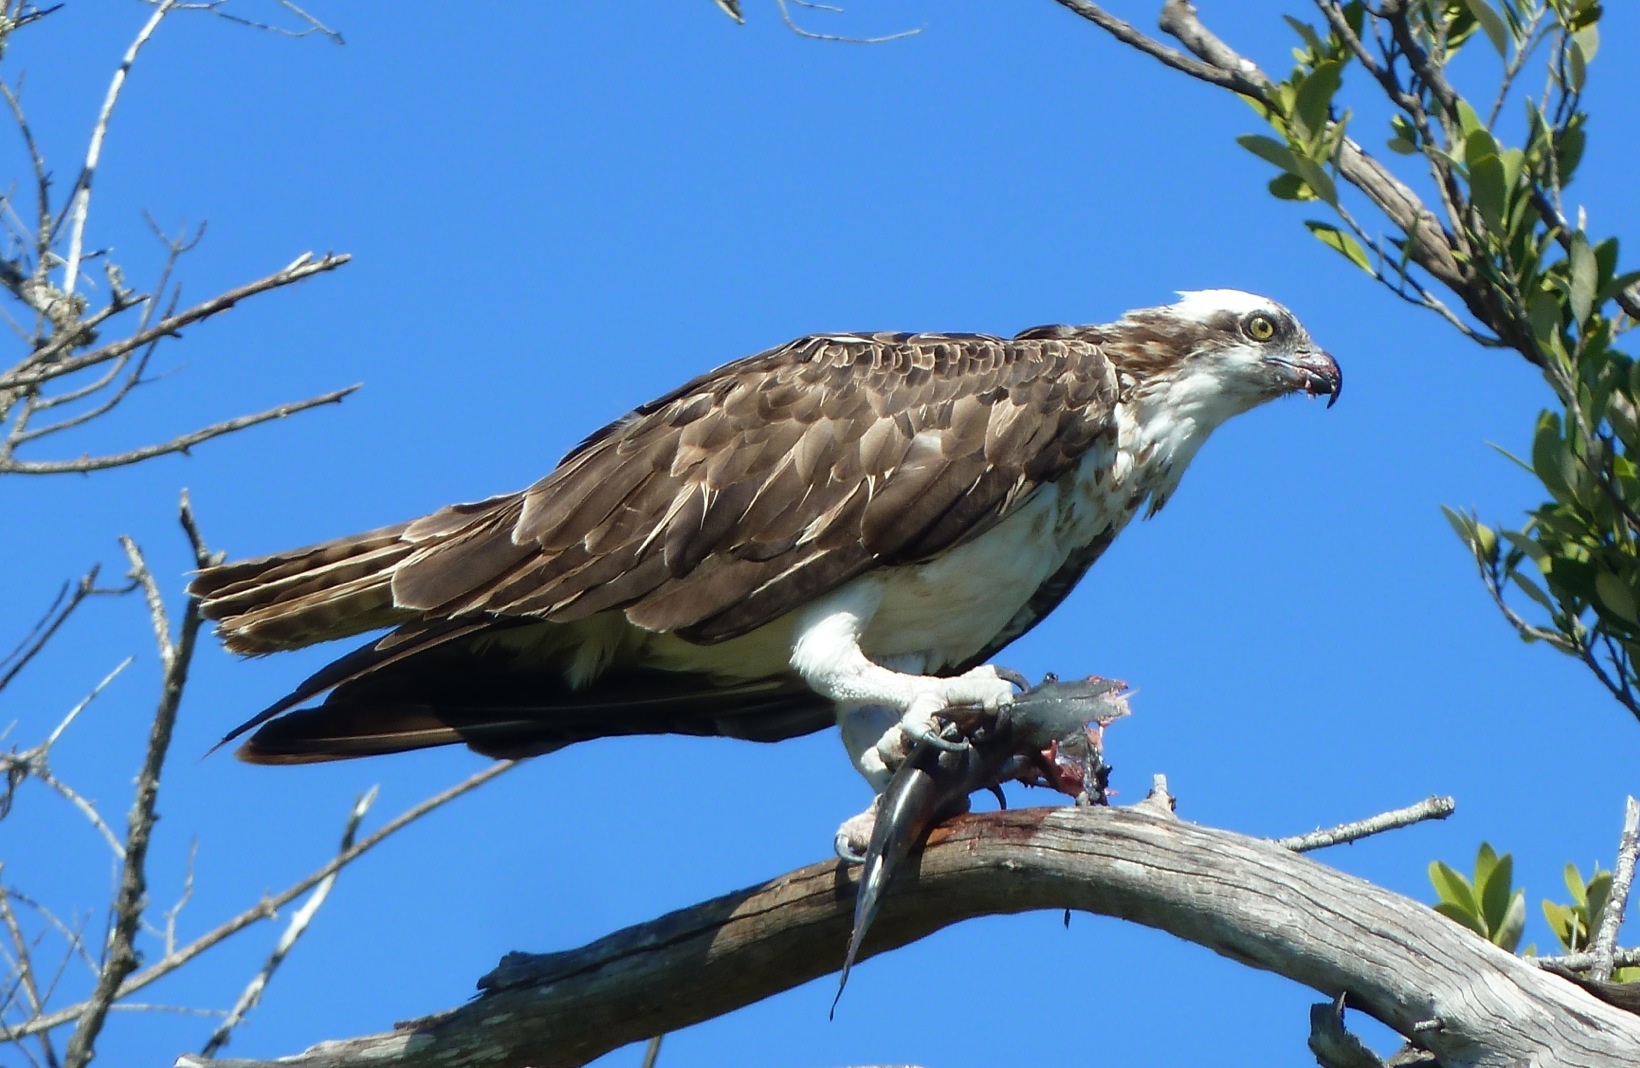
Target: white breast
(947, 609)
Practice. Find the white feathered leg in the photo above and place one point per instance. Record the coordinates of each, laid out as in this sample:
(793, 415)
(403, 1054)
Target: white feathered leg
(882, 710)
(826, 652)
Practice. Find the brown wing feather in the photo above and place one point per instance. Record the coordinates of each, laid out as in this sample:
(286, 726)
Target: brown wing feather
(744, 493)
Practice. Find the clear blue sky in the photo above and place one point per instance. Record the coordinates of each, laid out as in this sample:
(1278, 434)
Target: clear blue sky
(558, 211)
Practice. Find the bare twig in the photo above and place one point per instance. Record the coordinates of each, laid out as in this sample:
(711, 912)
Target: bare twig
(54, 618)
(179, 444)
(23, 966)
(1250, 83)
(169, 934)
(1617, 899)
(120, 957)
(1431, 808)
(34, 763)
(267, 907)
(218, 8)
(35, 369)
(786, 16)
(1583, 962)
(294, 930)
(42, 195)
(80, 202)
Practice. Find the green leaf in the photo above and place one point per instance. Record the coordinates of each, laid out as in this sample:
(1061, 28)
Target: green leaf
(1495, 890)
(1543, 310)
(1514, 165)
(1491, 24)
(1569, 152)
(1312, 103)
(1307, 32)
(1585, 277)
(1528, 548)
(1574, 883)
(1468, 121)
(1618, 598)
(1532, 590)
(1563, 922)
(1320, 183)
(1401, 146)
(1549, 455)
(1507, 935)
(1489, 192)
(1486, 547)
(1461, 916)
(1270, 150)
(1290, 187)
(1404, 129)
(1600, 888)
(1340, 242)
(1453, 889)
(1477, 145)
(1587, 40)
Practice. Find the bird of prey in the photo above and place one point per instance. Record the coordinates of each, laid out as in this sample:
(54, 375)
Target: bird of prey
(844, 529)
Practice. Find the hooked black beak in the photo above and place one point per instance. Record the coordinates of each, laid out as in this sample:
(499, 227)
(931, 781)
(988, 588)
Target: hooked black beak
(1315, 372)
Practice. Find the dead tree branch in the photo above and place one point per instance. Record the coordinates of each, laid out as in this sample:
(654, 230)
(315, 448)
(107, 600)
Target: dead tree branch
(41, 366)
(120, 955)
(80, 202)
(294, 930)
(1253, 901)
(268, 907)
(1431, 808)
(1617, 900)
(178, 444)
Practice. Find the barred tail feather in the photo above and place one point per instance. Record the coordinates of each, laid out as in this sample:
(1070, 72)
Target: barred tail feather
(305, 596)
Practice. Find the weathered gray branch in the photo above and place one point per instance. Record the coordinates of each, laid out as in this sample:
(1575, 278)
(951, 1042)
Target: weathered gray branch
(1251, 900)
(37, 368)
(1617, 899)
(1430, 245)
(181, 443)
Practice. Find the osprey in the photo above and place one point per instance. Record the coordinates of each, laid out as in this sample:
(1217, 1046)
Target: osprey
(844, 528)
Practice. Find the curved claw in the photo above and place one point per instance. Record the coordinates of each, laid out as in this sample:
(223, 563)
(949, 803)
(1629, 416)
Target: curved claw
(935, 740)
(1010, 675)
(840, 845)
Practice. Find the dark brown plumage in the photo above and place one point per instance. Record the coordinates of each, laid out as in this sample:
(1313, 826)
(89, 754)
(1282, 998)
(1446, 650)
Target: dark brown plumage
(527, 621)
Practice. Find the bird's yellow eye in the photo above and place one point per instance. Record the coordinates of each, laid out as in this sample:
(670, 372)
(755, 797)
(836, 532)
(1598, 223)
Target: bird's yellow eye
(1260, 328)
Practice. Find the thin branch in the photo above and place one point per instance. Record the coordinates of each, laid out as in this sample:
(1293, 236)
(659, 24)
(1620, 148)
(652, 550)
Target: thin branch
(1431, 808)
(80, 205)
(120, 957)
(24, 968)
(1583, 962)
(32, 371)
(42, 191)
(179, 444)
(33, 763)
(267, 907)
(54, 618)
(1250, 84)
(786, 16)
(313, 24)
(73, 936)
(1617, 899)
(169, 934)
(298, 925)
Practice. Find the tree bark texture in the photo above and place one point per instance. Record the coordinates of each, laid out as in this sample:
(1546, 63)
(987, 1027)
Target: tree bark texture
(1462, 998)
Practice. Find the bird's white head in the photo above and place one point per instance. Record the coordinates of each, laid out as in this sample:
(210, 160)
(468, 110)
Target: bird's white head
(1218, 352)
